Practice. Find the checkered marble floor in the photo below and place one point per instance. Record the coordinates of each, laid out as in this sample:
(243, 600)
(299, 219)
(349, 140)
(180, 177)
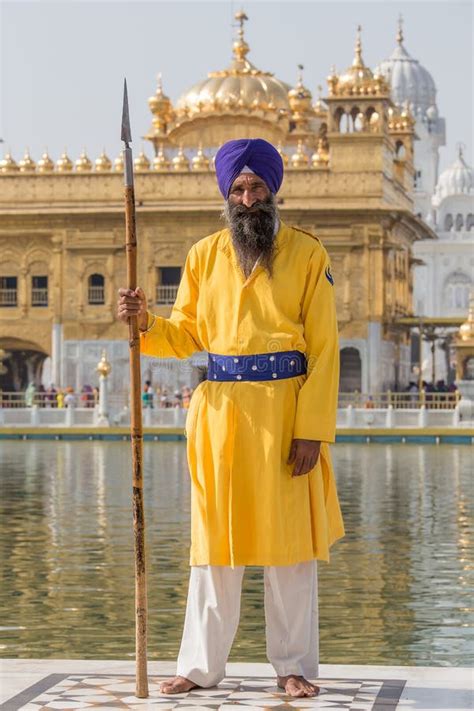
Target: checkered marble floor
(117, 692)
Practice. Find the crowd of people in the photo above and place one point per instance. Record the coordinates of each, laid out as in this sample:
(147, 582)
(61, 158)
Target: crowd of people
(161, 397)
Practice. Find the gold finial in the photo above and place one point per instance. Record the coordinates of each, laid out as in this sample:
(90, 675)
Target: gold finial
(300, 75)
(64, 164)
(27, 164)
(83, 164)
(103, 163)
(400, 37)
(241, 48)
(300, 159)
(45, 164)
(358, 49)
(200, 161)
(180, 162)
(141, 163)
(161, 162)
(103, 366)
(320, 157)
(8, 164)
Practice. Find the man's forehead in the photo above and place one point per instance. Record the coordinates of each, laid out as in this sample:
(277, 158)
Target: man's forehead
(248, 179)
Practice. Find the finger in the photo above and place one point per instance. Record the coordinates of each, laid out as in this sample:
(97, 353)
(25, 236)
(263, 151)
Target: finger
(125, 292)
(298, 465)
(304, 467)
(139, 292)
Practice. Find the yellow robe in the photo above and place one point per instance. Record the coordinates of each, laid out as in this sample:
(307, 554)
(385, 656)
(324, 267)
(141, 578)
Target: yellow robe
(246, 507)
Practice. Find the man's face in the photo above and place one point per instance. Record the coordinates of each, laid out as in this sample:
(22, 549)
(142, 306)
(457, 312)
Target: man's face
(248, 189)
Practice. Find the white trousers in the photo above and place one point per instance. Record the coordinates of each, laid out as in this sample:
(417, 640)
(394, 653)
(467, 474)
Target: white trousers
(212, 618)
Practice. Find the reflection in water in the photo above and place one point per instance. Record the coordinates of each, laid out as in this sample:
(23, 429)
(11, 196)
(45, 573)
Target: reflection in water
(396, 592)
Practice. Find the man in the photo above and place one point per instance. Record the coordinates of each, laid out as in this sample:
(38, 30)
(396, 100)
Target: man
(258, 296)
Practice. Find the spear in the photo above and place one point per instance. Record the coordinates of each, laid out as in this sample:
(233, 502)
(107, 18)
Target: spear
(136, 415)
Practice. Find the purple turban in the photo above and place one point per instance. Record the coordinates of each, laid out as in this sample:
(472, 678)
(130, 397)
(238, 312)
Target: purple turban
(259, 155)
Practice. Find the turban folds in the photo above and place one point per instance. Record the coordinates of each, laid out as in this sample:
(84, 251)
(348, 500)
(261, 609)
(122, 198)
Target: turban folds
(255, 153)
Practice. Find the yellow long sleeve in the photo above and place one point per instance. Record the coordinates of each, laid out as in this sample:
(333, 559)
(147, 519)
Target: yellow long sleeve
(317, 399)
(177, 335)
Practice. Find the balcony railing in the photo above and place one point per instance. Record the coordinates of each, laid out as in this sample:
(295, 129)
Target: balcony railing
(39, 297)
(8, 297)
(96, 295)
(166, 294)
(401, 400)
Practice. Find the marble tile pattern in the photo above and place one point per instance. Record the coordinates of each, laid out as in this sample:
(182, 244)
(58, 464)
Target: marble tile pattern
(116, 692)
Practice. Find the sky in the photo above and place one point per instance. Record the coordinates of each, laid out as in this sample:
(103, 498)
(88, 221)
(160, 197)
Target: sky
(62, 63)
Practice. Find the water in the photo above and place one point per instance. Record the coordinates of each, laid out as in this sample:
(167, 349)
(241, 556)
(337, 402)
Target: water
(396, 591)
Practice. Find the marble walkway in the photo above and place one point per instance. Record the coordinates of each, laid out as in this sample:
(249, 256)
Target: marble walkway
(43, 685)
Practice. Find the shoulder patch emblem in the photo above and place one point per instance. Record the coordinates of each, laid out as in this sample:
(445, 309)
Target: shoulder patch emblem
(329, 276)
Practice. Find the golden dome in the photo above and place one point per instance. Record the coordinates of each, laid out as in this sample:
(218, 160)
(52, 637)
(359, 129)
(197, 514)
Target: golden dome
(320, 108)
(200, 162)
(320, 157)
(45, 164)
(160, 162)
(161, 108)
(284, 156)
(180, 162)
(118, 163)
(141, 163)
(83, 164)
(357, 79)
(8, 164)
(103, 164)
(300, 159)
(207, 111)
(300, 97)
(27, 164)
(64, 164)
(466, 331)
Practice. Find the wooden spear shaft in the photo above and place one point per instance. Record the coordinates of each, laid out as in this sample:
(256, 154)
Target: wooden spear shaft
(136, 419)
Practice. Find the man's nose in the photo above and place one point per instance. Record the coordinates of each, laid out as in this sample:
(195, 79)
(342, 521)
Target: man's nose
(248, 198)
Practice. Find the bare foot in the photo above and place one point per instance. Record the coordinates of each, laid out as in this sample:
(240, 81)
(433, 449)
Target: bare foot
(297, 685)
(177, 685)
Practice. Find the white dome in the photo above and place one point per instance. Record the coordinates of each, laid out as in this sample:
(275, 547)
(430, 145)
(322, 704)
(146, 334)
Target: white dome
(458, 179)
(409, 81)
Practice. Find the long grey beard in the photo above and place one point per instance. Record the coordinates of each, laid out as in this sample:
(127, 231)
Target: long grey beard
(253, 233)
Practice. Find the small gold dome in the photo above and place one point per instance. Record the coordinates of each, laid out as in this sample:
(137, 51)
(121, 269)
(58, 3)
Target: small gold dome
(141, 163)
(284, 156)
(103, 164)
(64, 164)
(320, 108)
(103, 366)
(8, 164)
(320, 157)
(27, 164)
(160, 162)
(180, 163)
(466, 331)
(161, 108)
(45, 164)
(83, 164)
(300, 97)
(118, 163)
(300, 159)
(200, 162)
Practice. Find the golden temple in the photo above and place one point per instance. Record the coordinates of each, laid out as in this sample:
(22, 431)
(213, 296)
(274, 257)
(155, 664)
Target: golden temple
(349, 179)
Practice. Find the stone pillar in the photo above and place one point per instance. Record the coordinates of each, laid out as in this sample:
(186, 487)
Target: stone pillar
(56, 354)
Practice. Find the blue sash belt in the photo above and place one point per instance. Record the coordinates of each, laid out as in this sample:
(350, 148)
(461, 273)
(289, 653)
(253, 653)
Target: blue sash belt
(260, 366)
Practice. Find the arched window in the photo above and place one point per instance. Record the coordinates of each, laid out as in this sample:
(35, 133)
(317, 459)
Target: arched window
(400, 151)
(351, 370)
(342, 121)
(456, 292)
(448, 222)
(96, 289)
(469, 222)
(459, 222)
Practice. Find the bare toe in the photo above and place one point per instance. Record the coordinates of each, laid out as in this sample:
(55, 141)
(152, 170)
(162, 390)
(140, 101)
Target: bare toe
(177, 685)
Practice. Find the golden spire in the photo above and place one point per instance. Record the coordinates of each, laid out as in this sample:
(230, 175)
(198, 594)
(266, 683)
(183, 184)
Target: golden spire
(83, 164)
(161, 108)
(300, 97)
(45, 164)
(300, 159)
(200, 162)
(8, 164)
(103, 164)
(240, 47)
(27, 164)
(358, 62)
(161, 163)
(400, 37)
(180, 162)
(141, 163)
(64, 164)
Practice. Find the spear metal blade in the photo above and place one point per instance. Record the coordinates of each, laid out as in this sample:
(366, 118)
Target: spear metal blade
(126, 133)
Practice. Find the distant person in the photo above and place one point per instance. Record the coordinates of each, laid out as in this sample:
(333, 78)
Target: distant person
(30, 394)
(60, 398)
(51, 395)
(150, 393)
(70, 398)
